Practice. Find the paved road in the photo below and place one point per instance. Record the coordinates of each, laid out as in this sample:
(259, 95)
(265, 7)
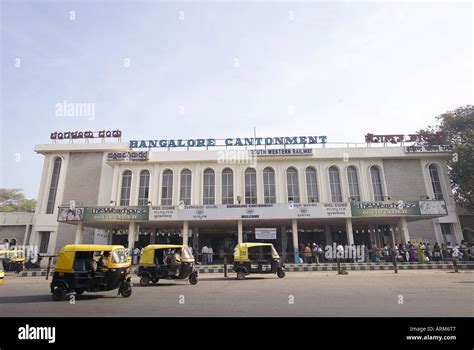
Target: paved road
(374, 293)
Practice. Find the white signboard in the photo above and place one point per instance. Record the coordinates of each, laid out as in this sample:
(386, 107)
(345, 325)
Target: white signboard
(282, 152)
(163, 213)
(336, 210)
(249, 211)
(428, 149)
(265, 233)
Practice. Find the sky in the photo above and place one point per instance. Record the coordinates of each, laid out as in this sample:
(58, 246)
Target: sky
(218, 69)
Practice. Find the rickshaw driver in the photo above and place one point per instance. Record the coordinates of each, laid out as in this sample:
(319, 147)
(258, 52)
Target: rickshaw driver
(103, 264)
(174, 261)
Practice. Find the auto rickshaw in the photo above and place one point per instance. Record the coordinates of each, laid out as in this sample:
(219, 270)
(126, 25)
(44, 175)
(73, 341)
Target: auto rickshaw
(91, 268)
(168, 261)
(2, 275)
(257, 258)
(13, 259)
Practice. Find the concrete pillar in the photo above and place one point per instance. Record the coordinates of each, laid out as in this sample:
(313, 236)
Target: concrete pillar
(403, 226)
(26, 235)
(196, 240)
(239, 231)
(152, 237)
(53, 237)
(294, 231)
(392, 232)
(372, 235)
(34, 238)
(349, 232)
(457, 233)
(132, 232)
(185, 232)
(284, 242)
(79, 233)
(327, 234)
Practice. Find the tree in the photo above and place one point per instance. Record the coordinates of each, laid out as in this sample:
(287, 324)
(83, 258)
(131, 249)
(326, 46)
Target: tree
(458, 128)
(14, 200)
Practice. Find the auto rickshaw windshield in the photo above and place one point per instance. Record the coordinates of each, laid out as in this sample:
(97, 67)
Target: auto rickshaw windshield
(186, 254)
(119, 256)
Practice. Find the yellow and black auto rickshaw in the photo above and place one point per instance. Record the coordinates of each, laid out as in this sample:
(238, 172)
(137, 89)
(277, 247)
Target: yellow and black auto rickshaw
(13, 259)
(2, 275)
(91, 268)
(257, 258)
(167, 261)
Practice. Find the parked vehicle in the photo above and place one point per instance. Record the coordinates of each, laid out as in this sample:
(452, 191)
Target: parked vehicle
(91, 268)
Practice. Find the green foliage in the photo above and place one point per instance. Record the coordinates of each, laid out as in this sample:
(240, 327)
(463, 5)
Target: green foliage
(458, 126)
(14, 200)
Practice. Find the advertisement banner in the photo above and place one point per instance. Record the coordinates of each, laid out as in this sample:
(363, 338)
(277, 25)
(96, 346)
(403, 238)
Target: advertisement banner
(68, 214)
(385, 208)
(398, 208)
(116, 214)
(433, 208)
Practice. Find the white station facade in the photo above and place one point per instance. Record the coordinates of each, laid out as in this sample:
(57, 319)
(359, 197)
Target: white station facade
(284, 190)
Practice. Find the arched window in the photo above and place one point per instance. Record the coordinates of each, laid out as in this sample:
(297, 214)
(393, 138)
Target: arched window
(185, 187)
(335, 184)
(126, 187)
(436, 183)
(292, 185)
(269, 194)
(353, 183)
(250, 186)
(144, 187)
(227, 186)
(209, 184)
(53, 188)
(376, 183)
(312, 185)
(167, 188)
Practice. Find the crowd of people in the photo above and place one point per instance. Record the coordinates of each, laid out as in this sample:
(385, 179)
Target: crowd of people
(409, 252)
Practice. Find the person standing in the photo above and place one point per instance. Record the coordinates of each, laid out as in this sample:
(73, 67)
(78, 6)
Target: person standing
(136, 254)
(315, 253)
(308, 254)
(210, 255)
(429, 251)
(204, 252)
(412, 251)
(375, 253)
(436, 252)
(302, 254)
(420, 252)
(339, 251)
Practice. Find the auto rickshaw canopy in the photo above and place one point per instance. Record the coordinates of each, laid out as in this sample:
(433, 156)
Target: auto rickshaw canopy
(148, 256)
(241, 250)
(118, 257)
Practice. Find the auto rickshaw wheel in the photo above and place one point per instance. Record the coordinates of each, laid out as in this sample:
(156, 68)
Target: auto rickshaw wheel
(281, 273)
(193, 279)
(240, 275)
(155, 280)
(126, 289)
(144, 281)
(59, 293)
